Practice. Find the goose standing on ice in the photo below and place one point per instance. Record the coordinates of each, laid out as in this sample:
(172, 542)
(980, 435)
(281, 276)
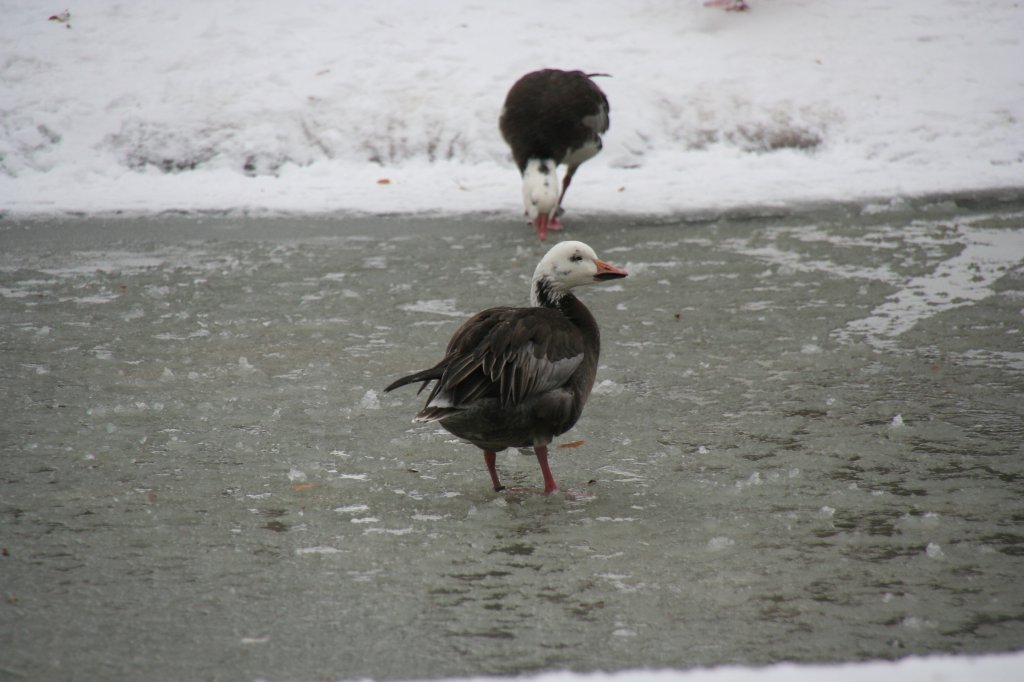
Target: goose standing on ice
(518, 377)
(550, 118)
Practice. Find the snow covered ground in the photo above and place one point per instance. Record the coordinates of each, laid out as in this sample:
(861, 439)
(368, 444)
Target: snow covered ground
(935, 669)
(367, 106)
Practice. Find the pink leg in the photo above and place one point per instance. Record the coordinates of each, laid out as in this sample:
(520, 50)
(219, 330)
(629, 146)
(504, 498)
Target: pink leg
(489, 458)
(565, 182)
(542, 458)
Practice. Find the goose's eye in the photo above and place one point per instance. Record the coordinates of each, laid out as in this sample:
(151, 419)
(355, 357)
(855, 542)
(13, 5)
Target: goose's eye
(576, 258)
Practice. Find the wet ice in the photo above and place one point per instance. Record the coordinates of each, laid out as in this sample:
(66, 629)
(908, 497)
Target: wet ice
(212, 440)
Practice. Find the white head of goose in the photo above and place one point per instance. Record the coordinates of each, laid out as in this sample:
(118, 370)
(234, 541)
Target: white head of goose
(518, 377)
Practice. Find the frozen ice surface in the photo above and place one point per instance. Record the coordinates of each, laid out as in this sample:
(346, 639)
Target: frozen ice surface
(170, 511)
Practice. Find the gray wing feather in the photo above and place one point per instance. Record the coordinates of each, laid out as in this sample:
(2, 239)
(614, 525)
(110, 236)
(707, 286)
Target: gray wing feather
(530, 375)
(508, 354)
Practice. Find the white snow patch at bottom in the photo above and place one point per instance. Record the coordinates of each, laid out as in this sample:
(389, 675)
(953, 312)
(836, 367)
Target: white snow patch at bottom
(1009, 666)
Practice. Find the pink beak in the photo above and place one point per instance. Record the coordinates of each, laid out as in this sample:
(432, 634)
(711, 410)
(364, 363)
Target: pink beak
(608, 271)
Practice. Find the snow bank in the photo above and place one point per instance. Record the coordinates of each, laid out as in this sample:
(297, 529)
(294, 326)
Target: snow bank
(257, 105)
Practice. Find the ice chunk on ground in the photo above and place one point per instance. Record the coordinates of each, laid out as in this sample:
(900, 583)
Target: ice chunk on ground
(370, 400)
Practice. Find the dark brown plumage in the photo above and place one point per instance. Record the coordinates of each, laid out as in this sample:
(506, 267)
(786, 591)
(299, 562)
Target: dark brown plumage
(551, 118)
(518, 377)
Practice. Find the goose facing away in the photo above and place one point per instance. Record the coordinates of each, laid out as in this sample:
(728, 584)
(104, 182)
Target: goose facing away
(551, 118)
(518, 377)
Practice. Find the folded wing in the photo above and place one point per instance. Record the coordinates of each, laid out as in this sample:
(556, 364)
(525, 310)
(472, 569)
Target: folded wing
(507, 354)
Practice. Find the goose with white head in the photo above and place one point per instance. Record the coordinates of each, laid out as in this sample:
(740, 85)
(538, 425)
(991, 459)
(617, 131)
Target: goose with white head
(517, 377)
(551, 118)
